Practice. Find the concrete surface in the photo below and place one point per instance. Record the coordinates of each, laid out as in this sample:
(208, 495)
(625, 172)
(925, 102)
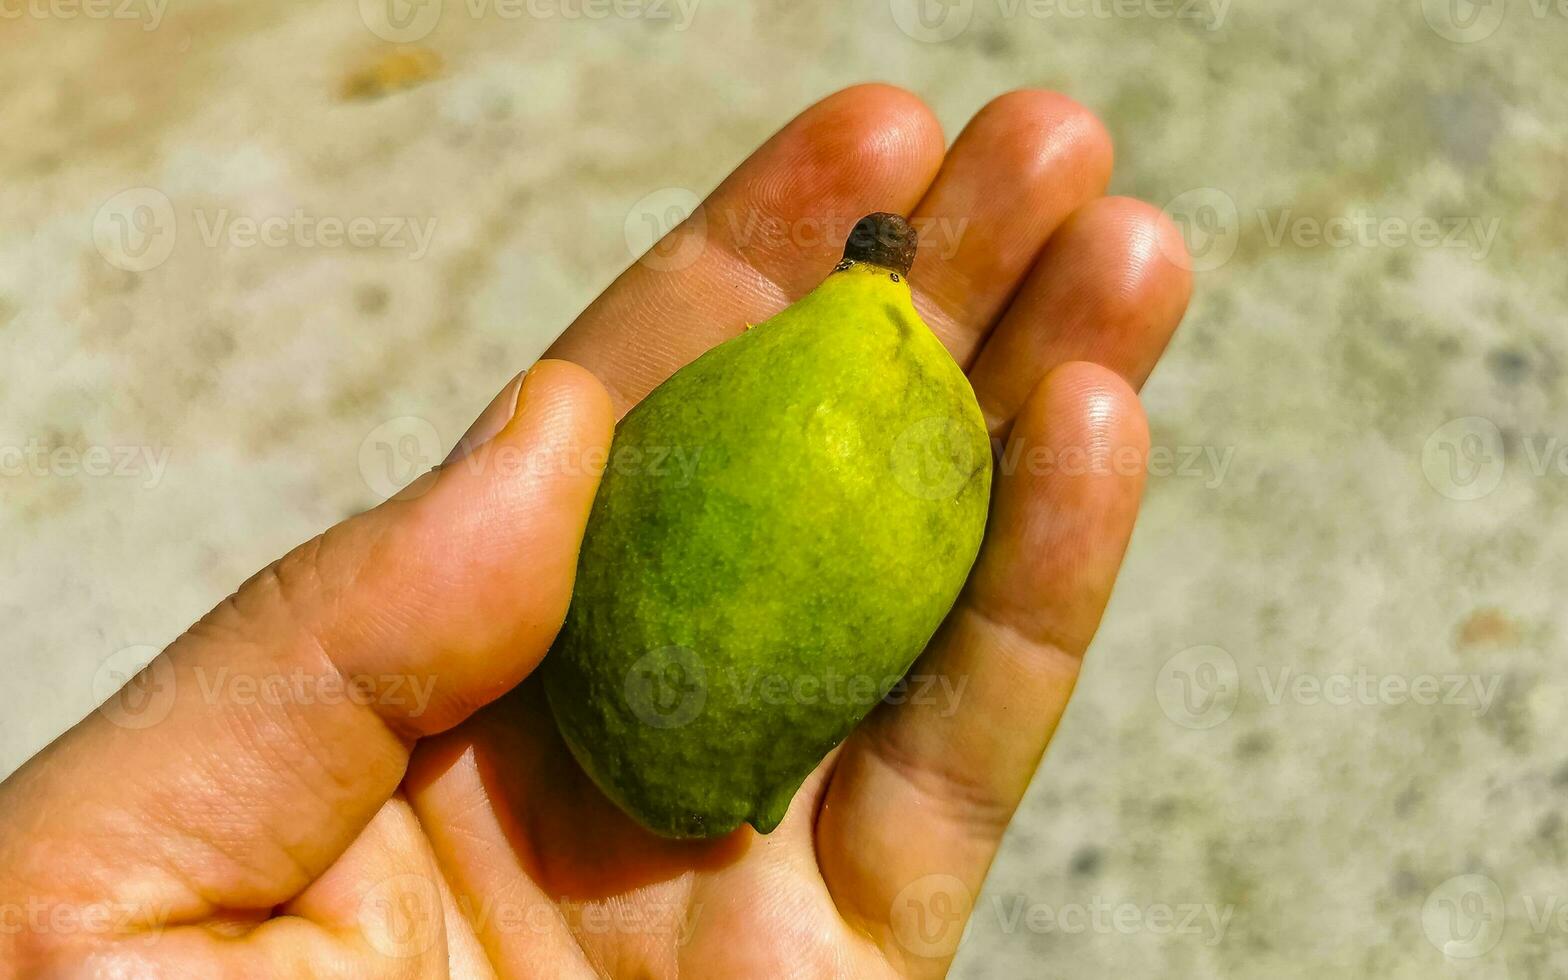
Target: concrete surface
(1320, 732)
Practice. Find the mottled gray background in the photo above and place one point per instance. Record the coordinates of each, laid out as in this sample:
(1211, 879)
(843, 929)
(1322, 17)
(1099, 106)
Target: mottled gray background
(1379, 498)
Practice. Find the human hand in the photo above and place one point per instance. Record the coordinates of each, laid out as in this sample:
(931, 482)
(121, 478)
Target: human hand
(276, 838)
(234, 811)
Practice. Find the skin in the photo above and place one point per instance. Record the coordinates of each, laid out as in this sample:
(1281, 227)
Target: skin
(339, 838)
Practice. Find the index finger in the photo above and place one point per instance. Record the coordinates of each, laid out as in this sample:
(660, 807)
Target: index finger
(769, 233)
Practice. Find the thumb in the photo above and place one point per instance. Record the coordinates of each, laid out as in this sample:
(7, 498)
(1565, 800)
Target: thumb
(467, 573)
(265, 738)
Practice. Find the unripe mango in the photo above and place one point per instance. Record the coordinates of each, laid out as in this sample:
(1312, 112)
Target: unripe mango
(785, 523)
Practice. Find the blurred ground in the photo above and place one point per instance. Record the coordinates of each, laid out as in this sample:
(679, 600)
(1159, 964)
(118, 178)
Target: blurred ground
(1319, 734)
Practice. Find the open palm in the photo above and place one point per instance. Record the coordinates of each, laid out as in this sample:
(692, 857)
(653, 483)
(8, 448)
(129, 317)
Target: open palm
(1057, 301)
(359, 836)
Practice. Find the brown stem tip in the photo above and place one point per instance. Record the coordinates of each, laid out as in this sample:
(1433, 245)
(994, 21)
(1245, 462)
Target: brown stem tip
(883, 239)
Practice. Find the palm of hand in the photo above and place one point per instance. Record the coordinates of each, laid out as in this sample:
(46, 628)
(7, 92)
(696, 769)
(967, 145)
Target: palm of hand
(878, 863)
(349, 838)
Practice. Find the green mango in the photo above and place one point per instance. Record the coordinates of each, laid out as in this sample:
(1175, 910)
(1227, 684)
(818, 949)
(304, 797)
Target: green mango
(782, 526)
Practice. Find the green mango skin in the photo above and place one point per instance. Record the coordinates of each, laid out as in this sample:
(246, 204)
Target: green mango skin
(783, 525)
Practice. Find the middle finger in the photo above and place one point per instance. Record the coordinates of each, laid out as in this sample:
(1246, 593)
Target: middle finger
(1022, 165)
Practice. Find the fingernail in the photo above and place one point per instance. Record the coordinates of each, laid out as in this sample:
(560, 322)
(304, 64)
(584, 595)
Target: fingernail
(490, 422)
